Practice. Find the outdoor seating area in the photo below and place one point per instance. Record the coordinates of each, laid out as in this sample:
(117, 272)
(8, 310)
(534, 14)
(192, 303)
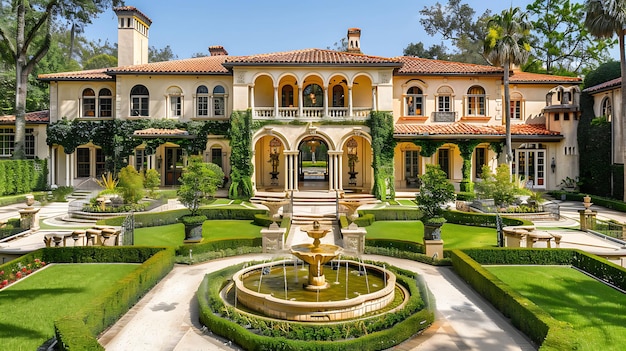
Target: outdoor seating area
(528, 236)
(94, 236)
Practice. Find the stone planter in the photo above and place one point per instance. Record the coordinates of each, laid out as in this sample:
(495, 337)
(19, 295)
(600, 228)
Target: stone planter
(193, 228)
(432, 231)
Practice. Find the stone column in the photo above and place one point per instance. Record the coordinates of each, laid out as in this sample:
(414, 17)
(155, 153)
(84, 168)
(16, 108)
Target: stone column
(251, 99)
(587, 219)
(350, 102)
(326, 101)
(276, 113)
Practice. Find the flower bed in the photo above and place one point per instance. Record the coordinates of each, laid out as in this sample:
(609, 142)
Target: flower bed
(12, 273)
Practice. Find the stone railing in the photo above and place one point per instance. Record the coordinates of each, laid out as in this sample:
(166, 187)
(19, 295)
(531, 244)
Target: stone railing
(289, 113)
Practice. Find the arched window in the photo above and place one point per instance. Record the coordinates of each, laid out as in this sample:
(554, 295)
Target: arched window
(313, 96)
(105, 103)
(219, 95)
(175, 97)
(607, 108)
(476, 101)
(89, 103)
(516, 106)
(338, 96)
(202, 101)
(139, 101)
(414, 102)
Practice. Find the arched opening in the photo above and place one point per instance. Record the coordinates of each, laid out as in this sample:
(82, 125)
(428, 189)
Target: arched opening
(313, 163)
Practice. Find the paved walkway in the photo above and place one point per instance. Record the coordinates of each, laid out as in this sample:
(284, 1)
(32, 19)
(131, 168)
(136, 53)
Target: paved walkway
(167, 317)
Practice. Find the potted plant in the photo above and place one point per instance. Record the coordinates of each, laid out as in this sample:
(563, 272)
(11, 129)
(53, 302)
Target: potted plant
(198, 183)
(435, 192)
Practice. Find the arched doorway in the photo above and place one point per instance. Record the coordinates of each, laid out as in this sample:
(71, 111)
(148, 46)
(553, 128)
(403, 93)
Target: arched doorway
(313, 163)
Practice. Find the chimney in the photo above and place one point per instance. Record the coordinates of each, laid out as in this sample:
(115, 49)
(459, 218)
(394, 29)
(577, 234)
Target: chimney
(354, 40)
(217, 50)
(132, 36)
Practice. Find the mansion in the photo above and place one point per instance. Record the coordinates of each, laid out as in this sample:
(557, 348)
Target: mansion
(310, 112)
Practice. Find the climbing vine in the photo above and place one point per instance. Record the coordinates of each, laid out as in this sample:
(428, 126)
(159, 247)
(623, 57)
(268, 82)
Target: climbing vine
(467, 148)
(241, 155)
(115, 136)
(383, 144)
(428, 147)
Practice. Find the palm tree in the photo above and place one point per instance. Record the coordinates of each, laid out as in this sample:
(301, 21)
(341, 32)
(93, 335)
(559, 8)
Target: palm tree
(506, 44)
(606, 18)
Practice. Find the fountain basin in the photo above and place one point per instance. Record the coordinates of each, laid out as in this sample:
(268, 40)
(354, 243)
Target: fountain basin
(308, 311)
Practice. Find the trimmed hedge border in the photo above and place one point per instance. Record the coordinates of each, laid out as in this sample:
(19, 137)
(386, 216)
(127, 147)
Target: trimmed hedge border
(79, 330)
(596, 200)
(537, 324)
(211, 307)
(151, 219)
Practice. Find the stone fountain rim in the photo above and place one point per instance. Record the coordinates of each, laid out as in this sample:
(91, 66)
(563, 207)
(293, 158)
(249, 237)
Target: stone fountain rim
(391, 285)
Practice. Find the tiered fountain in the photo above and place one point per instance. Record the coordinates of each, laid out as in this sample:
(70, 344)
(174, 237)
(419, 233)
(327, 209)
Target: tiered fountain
(271, 291)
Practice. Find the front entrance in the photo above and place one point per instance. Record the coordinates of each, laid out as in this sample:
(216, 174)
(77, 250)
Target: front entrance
(173, 165)
(313, 164)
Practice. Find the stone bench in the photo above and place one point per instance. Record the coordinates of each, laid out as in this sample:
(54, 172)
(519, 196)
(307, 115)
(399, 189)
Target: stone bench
(527, 236)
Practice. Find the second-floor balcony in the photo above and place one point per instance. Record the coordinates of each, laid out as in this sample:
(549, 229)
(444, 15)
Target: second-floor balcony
(311, 113)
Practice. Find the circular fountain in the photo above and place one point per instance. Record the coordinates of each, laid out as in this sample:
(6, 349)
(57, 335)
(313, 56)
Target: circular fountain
(316, 255)
(358, 288)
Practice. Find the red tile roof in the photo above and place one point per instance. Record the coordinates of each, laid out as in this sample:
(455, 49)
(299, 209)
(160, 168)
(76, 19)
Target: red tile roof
(520, 77)
(93, 74)
(418, 65)
(312, 56)
(198, 65)
(617, 82)
(156, 132)
(133, 9)
(38, 117)
(460, 128)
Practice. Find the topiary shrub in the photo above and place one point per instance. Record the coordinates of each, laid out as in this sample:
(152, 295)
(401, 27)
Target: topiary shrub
(130, 185)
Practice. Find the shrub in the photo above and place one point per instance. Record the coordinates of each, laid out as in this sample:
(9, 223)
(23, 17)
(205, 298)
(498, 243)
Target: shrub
(199, 182)
(435, 192)
(151, 181)
(131, 185)
(497, 186)
(59, 194)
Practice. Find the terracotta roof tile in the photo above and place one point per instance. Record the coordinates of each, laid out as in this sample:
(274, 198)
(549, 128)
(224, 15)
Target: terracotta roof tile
(132, 9)
(198, 65)
(312, 56)
(418, 65)
(93, 74)
(460, 128)
(617, 82)
(38, 117)
(157, 132)
(527, 77)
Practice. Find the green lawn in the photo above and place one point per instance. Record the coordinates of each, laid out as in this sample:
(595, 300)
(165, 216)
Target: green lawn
(173, 235)
(596, 312)
(454, 236)
(30, 306)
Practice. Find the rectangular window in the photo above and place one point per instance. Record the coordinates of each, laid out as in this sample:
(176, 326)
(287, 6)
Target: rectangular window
(83, 162)
(476, 105)
(100, 163)
(218, 106)
(89, 107)
(203, 106)
(414, 106)
(140, 159)
(106, 107)
(175, 106)
(443, 103)
(530, 164)
(139, 106)
(516, 109)
(7, 142)
(411, 164)
(443, 159)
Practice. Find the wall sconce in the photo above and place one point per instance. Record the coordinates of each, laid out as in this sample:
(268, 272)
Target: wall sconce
(553, 165)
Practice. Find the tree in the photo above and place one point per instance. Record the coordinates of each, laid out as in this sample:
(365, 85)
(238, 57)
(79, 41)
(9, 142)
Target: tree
(458, 24)
(561, 43)
(435, 52)
(606, 18)
(198, 182)
(435, 192)
(160, 55)
(507, 44)
(29, 38)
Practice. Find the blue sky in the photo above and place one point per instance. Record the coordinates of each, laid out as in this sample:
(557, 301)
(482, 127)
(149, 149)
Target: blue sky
(247, 27)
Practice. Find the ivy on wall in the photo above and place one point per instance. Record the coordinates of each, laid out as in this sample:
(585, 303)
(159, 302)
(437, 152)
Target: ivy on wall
(241, 155)
(595, 152)
(428, 147)
(383, 144)
(115, 136)
(467, 149)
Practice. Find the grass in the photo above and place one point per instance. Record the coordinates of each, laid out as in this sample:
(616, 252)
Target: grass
(172, 235)
(30, 306)
(596, 311)
(318, 164)
(454, 236)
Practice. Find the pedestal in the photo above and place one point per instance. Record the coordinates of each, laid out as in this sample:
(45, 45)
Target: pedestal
(273, 239)
(353, 240)
(434, 248)
(29, 218)
(587, 219)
